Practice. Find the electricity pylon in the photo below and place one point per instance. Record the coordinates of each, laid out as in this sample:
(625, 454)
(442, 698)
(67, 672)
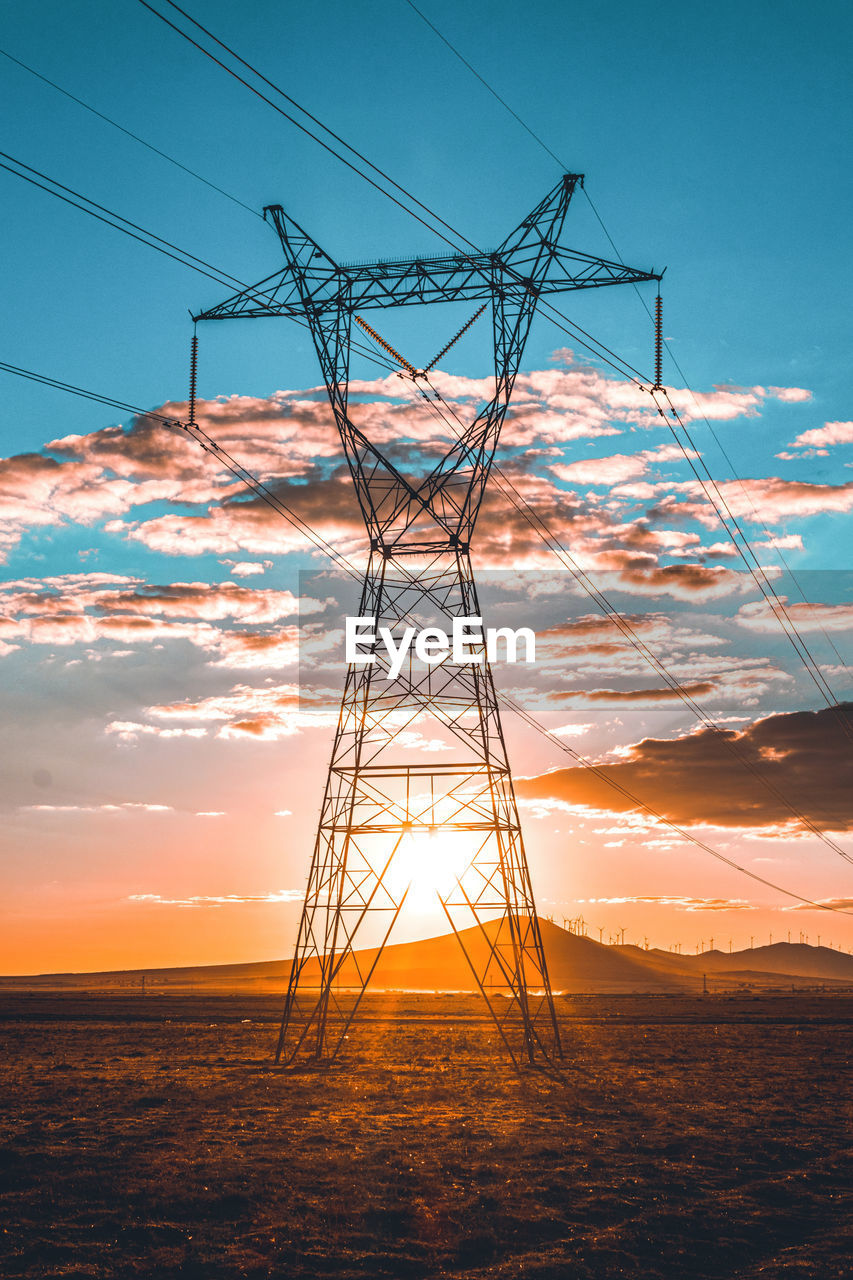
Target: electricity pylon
(378, 809)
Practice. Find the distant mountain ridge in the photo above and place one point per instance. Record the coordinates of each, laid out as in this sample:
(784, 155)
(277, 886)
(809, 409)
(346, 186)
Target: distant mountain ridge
(575, 964)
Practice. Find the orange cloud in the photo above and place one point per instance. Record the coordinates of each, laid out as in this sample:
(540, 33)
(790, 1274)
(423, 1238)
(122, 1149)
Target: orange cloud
(697, 779)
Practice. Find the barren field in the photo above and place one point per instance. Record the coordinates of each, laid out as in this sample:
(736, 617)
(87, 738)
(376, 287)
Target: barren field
(684, 1137)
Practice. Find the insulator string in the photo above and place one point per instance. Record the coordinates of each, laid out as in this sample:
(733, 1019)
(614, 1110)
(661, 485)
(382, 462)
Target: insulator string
(658, 343)
(193, 375)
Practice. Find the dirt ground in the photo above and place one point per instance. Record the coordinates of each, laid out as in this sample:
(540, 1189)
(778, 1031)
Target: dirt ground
(684, 1137)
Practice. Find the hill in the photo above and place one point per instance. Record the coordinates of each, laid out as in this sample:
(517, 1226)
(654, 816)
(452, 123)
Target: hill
(575, 964)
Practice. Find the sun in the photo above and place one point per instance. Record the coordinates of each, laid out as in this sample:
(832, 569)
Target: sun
(429, 860)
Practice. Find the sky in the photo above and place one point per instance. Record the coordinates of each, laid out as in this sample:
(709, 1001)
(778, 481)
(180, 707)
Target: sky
(164, 765)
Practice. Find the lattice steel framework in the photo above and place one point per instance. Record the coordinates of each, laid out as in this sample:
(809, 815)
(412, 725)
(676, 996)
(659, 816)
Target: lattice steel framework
(419, 573)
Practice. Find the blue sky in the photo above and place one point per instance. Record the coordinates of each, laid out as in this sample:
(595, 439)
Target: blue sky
(711, 140)
(712, 144)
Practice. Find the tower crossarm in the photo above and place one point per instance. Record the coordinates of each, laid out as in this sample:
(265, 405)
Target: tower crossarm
(420, 280)
(313, 281)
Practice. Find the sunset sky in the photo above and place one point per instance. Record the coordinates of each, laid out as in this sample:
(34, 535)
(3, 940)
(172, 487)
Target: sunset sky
(163, 766)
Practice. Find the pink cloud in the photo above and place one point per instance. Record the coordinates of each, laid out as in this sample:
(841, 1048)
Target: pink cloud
(618, 467)
(126, 806)
(290, 438)
(129, 731)
(218, 900)
(820, 437)
(247, 569)
(769, 499)
(84, 609)
(790, 395)
(742, 683)
(806, 616)
(248, 713)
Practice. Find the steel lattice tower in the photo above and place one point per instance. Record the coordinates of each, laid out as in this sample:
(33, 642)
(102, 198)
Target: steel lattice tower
(419, 570)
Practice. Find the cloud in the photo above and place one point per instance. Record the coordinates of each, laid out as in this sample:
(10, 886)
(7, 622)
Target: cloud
(217, 900)
(822, 437)
(582, 697)
(129, 731)
(766, 499)
(699, 779)
(247, 714)
(250, 525)
(86, 478)
(126, 806)
(618, 467)
(39, 491)
(781, 542)
(595, 633)
(831, 904)
(775, 500)
(206, 601)
(247, 568)
(681, 903)
(805, 615)
(289, 439)
(86, 609)
(683, 581)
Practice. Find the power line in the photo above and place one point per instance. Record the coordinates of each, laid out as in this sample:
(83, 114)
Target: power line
(299, 125)
(120, 223)
(748, 555)
(266, 494)
(540, 527)
(800, 647)
(573, 331)
(173, 251)
(745, 491)
(149, 238)
(570, 328)
(474, 72)
(114, 220)
(561, 164)
(130, 134)
(734, 531)
(246, 477)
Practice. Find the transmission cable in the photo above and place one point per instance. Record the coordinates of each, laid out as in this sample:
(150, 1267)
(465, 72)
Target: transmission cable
(486, 85)
(617, 363)
(299, 125)
(746, 493)
(111, 219)
(267, 495)
(196, 263)
(245, 477)
(130, 134)
(569, 327)
(540, 527)
(149, 238)
(733, 529)
(779, 607)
